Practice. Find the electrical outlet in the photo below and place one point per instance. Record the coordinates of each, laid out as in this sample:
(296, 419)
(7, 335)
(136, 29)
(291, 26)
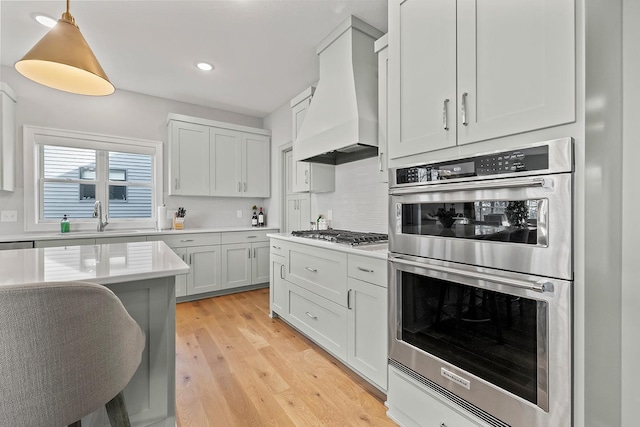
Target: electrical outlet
(9, 216)
(239, 213)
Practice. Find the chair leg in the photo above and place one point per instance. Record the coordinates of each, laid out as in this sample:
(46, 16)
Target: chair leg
(117, 412)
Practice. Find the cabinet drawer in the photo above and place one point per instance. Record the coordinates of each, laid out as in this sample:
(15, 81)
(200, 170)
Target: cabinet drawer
(276, 247)
(245, 236)
(321, 271)
(187, 240)
(321, 320)
(367, 269)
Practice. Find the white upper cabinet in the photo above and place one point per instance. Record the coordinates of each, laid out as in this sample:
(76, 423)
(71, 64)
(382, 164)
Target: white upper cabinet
(308, 177)
(7, 137)
(209, 158)
(381, 47)
(468, 71)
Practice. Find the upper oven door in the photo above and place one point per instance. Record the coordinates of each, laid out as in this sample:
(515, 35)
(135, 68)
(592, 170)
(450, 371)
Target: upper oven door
(518, 224)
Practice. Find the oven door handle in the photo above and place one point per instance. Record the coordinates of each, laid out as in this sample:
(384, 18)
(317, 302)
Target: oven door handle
(476, 185)
(540, 286)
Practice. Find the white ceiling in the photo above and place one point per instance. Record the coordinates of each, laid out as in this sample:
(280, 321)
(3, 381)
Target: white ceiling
(263, 51)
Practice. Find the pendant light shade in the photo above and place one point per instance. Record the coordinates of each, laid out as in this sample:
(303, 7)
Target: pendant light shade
(63, 60)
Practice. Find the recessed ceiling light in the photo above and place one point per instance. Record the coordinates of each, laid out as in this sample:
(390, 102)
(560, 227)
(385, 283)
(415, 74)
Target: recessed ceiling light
(204, 66)
(45, 20)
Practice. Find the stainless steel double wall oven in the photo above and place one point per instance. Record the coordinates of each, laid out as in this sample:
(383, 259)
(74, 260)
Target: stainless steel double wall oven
(481, 274)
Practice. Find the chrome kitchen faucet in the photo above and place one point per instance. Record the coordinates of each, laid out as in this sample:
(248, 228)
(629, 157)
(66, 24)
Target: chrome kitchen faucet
(97, 213)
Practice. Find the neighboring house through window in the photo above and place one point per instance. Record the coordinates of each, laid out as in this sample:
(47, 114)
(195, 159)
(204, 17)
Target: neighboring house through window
(73, 170)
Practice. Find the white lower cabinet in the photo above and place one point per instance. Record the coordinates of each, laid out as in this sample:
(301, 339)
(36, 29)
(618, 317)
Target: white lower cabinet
(277, 286)
(412, 404)
(367, 330)
(181, 279)
(336, 299)
(205, 273)
(245, 259)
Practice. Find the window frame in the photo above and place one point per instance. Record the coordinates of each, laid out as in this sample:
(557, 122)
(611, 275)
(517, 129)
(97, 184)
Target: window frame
(34, 138)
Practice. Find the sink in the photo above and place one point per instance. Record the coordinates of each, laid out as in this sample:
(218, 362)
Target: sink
(98, 233)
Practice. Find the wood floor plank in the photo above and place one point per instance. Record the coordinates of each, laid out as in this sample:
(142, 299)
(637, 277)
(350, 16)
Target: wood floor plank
(236, 366)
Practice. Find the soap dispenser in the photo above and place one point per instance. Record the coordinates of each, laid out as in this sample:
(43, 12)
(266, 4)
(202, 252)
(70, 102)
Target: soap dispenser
(64, 224)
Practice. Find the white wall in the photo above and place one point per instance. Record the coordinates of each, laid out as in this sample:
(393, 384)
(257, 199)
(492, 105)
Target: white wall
(359, 201)
(125, 114)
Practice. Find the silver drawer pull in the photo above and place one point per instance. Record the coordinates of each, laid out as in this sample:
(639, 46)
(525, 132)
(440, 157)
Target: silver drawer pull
(313, 270)
(312, 316)
(366, 270)
(276, 247)
(186, 240)
(252, 237)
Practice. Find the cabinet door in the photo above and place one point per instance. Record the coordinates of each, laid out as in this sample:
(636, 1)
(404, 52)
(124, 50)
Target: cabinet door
(236, 265)
(256, 164)
(367, 330)
(300, 169)
(259, 263)
(278, 286)
(383, 72)
(288, 173)
(226, 162)
(181, 279)
(304, 209)
(422, 76)
(293, 214)
(188, 159)
(516, 63)
(205, 269)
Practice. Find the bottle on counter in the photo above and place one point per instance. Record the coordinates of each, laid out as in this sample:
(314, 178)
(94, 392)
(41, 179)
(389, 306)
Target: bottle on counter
(64, 224)
(254, 219)
(260, 218)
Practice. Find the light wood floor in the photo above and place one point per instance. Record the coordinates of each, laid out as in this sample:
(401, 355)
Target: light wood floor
(235, 366)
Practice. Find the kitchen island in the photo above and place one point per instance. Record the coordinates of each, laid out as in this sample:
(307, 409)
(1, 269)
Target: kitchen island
(142, 275)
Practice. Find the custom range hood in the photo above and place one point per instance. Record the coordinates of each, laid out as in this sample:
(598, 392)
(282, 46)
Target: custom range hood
(341, 124)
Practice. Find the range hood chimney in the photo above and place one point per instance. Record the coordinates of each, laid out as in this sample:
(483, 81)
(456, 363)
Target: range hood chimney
(341, 124)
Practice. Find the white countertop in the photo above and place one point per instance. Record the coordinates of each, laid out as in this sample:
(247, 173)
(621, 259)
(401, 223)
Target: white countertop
(102, 264)
(92, 234)
(376, 250)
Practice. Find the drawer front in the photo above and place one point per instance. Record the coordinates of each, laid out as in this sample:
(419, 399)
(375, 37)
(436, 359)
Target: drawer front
(320, 271)
(277, 247)
(187, 240)
(245, 236)
(323, 321)
(367, 269)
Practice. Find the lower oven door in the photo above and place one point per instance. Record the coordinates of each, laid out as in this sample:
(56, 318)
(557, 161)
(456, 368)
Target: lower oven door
(500, 341)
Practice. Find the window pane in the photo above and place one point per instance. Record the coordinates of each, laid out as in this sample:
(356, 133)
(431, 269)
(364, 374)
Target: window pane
(67, 162)
(134, 167)
(137, 202)
(61, 198)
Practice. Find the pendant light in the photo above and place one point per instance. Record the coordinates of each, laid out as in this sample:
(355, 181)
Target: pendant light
(63, 60)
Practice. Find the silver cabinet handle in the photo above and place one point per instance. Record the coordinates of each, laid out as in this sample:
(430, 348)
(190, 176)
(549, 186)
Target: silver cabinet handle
(366, 270)
(380, 162)
(464, 109)
(190, 259)
(313, 270)
(183, 256)
(177, 184)
(476, 185)
(254, 252)
(282, 271)
(239, 187)
(276, 247)
(252, 237)
(349, 299)
(245, 187)
(249, 253)
(306, 176)
(312, 316)
(186, 240)
(445, 114)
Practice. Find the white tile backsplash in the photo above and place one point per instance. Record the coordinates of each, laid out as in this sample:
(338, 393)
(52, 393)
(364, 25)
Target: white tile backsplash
(359, 201)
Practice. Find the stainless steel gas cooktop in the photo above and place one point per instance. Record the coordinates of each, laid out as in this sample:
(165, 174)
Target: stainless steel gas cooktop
(342, 236)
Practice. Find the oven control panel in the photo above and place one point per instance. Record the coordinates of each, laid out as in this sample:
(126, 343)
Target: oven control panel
(486, 165)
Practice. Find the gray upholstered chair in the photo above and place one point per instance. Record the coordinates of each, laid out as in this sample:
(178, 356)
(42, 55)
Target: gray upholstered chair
(66, 349)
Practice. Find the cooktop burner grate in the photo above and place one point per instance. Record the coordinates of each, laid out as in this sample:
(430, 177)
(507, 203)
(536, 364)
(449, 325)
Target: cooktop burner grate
(342, 236)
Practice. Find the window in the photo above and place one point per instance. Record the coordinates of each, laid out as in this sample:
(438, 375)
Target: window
(73, 170)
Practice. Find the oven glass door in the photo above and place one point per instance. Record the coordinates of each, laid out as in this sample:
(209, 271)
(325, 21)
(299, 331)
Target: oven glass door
(512, 221)
(493, 335)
